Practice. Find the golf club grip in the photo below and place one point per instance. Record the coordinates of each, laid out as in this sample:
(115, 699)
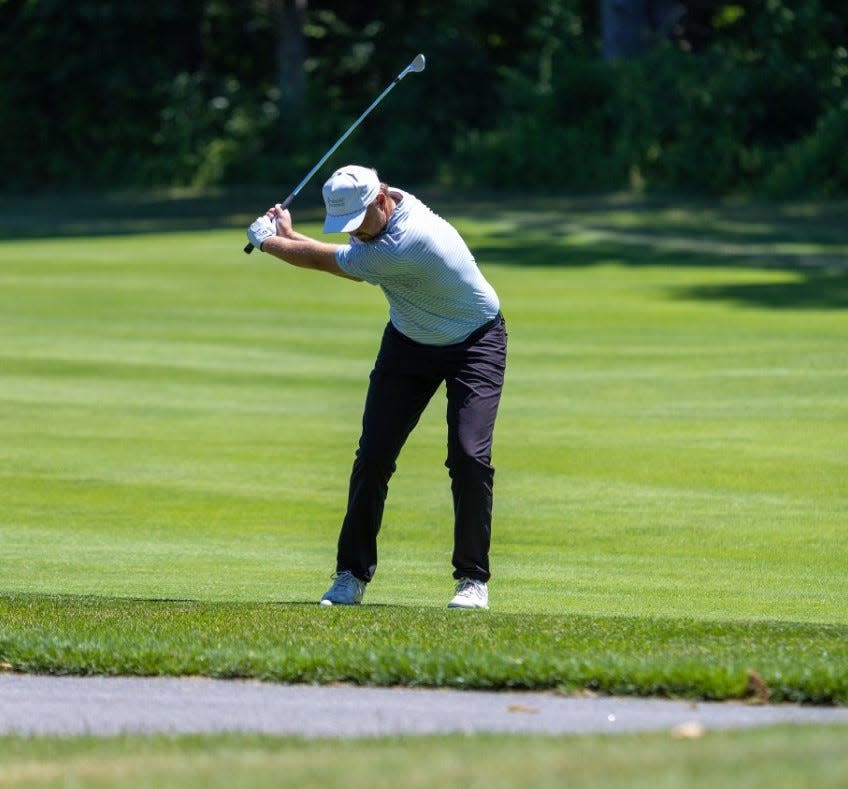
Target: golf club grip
(284, 205)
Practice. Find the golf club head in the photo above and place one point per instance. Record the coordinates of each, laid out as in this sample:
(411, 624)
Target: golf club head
(416, 65)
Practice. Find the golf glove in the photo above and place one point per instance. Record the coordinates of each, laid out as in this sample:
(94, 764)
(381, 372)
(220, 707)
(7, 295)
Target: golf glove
(261, 230)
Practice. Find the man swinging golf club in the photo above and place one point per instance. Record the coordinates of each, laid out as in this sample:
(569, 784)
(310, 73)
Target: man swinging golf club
(444, 325)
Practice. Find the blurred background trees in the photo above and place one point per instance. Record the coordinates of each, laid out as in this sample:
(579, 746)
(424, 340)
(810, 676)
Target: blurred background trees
(544, 95)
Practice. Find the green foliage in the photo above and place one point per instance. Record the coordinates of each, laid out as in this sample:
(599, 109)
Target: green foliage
(103, 93)
(106, 93)
(717, 122)
(551, 137)
(817, 164)
(710, 123)
(210, 133)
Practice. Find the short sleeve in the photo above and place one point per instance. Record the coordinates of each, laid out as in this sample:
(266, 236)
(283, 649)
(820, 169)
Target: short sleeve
(364, 261)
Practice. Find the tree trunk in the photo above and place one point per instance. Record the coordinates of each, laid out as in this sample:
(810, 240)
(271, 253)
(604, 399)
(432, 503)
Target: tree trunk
(630, 27)
(291, 54)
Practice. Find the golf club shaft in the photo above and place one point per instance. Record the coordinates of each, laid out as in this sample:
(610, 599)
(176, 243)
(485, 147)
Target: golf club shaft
(416, 65)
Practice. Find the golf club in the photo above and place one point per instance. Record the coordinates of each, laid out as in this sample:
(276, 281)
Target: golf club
(417, 65)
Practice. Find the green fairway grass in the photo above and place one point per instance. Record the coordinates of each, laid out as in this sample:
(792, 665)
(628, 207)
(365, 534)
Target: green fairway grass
(177, 423)
(400, 645)
(774, 758)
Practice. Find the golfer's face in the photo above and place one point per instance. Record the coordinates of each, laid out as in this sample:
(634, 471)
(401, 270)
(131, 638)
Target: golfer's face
(373, 222)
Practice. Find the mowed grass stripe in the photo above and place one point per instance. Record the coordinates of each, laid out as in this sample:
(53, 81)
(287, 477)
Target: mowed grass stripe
(777, 757)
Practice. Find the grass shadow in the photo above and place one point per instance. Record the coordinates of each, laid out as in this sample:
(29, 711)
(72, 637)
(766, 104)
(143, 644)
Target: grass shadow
(811, 290)
(808, 239)
(122, 213)
(82, 599)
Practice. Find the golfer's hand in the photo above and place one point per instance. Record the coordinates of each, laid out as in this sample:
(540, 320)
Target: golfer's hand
(283, 220)
(261, 230)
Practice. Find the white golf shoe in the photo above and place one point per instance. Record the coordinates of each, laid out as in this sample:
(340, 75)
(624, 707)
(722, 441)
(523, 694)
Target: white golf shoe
(470, 593)
(347, 589)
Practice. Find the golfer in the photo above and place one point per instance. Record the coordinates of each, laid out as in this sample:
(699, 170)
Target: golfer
(445, 326)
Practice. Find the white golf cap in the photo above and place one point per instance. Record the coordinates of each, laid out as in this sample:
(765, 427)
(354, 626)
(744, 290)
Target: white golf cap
(347, 194)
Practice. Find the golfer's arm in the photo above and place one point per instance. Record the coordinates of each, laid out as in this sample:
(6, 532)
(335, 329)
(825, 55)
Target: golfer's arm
(306, 252)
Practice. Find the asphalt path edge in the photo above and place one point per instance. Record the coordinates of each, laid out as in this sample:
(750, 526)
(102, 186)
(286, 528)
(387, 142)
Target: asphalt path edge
(32, 704)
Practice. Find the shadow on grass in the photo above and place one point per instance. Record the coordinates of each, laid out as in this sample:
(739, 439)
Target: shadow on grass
(122, 213)
(83, 598)
(813, 290)
(94, 600)
(807, 239)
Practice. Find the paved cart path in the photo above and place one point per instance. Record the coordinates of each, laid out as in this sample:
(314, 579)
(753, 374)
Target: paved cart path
(31, 704)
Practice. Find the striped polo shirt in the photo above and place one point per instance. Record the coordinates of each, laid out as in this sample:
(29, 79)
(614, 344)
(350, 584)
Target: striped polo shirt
(436, 293)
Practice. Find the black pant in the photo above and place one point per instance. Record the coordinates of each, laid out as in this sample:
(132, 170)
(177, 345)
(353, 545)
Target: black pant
(405, 377)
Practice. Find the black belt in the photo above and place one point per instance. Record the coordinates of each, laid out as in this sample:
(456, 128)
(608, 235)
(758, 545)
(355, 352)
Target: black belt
(473, 337)
(478, 333)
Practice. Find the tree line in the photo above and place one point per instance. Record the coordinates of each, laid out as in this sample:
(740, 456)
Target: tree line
(544, 95)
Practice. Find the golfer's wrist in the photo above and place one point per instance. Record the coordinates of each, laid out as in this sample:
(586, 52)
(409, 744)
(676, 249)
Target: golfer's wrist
(272, 245)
